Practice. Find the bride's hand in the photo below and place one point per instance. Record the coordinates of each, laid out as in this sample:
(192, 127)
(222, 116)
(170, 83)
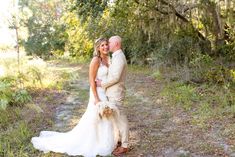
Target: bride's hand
(96, 101)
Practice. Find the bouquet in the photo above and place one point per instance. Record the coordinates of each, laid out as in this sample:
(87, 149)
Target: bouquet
(107, 109)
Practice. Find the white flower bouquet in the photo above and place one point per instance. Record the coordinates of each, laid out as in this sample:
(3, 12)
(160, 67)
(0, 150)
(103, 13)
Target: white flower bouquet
(107, 109)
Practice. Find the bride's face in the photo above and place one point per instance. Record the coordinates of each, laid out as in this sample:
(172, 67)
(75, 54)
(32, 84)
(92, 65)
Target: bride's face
(104, 48)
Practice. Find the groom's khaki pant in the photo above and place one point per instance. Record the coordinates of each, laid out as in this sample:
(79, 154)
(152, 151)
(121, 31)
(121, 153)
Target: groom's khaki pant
(122, 122)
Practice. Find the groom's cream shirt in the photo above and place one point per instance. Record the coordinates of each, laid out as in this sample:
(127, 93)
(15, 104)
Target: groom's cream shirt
(114, 85)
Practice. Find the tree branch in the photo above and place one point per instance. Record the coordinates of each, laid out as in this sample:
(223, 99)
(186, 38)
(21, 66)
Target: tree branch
(136, 1)
(181, 17)
(185, 8)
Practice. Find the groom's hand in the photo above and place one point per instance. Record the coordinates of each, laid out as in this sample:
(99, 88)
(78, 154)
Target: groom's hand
(98, 82)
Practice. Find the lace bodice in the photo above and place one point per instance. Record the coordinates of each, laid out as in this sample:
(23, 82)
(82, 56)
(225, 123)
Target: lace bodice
(102, 72)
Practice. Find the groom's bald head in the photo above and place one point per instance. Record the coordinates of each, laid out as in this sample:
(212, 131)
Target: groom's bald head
(116, 38)
(115, 43)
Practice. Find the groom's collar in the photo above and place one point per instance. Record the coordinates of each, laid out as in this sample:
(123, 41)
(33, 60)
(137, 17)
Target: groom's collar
(116, 52)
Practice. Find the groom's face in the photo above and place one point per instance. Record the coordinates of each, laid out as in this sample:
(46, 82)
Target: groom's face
(111, 44)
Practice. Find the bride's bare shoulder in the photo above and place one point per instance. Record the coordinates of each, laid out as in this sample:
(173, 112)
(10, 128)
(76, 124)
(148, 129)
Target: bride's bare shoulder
(95, 61)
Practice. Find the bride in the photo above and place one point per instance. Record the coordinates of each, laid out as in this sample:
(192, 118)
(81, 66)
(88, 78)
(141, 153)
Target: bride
(94, 134)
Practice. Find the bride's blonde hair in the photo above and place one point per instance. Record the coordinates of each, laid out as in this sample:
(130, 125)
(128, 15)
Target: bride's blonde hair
(97, 45)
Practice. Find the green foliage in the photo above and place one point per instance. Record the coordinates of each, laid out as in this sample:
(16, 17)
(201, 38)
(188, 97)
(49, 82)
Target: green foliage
(227, 51)
(181, 94)
(46, 34)
(200, 65)
(153, 32)
(16, 140)
(91, 8)
(219, 75)
(8, 116)
(21, 97)
(6, 92)
(202, 114)
(79, 44)
(181, 51)
(11, 94)
(157, 75)
(34, 75)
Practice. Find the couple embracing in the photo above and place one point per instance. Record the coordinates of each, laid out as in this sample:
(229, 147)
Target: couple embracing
(103, 129)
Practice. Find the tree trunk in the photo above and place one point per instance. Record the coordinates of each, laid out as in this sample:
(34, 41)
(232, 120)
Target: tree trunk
(17, 47)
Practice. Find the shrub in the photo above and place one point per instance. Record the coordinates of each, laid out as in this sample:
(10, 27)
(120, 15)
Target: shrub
(219, 75)
(6, 93)
(227, 51)
(11, 94)
(34, 75)
(21, 97)
(199, 65)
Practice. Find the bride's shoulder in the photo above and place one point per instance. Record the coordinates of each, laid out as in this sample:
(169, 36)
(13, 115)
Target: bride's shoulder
(95, 60)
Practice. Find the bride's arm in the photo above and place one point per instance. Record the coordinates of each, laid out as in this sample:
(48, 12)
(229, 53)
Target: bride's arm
(94, 65)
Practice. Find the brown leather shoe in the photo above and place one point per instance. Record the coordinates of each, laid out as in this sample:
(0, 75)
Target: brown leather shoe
(120, 151)
(118, 145)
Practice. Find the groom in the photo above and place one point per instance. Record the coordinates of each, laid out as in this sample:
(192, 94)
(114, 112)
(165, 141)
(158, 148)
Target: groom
(115, 89)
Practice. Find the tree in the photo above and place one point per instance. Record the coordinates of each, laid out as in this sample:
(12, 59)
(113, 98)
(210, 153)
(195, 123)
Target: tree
(46, 32)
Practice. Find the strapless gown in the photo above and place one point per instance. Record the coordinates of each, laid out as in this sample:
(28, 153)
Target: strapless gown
(90, 137)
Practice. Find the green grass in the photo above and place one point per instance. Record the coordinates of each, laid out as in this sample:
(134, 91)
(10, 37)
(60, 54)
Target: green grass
(17, 126)
(157, 75)
(15, 138)
(139, 69)
(181, 94)
(202, 115)
(83, 95)
(8, 116)
(19, 123)
(206, 102)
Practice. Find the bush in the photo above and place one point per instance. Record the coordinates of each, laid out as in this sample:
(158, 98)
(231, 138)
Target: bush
(34, 75)
(227, 51)
(6, 92)
(219, 75)
(199, 65)
(21, 97)
(11, 94)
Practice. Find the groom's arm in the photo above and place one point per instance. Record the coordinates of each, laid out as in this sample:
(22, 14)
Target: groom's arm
(117, 68)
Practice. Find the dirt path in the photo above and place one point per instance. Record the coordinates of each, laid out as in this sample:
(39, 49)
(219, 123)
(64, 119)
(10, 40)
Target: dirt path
(69, 112)
(149, 123)
(157, 129)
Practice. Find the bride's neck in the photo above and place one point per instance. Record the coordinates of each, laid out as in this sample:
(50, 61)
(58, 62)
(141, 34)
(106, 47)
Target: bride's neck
(103, 57)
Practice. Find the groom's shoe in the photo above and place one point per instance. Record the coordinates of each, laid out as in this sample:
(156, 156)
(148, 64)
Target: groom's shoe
(120, 151)
(117, 147)
(119, 144)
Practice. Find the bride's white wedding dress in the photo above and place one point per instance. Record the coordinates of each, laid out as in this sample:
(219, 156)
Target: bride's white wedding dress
(90, 137)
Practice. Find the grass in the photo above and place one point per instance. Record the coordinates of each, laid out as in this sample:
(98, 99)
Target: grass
(181, 94)
(211, 111)
(205, 101)
(206, 105)
(8, 117)
(18, 125)
(16, 136)
(83, 95)
(157, 75)
(139, 69)
(44, 82)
